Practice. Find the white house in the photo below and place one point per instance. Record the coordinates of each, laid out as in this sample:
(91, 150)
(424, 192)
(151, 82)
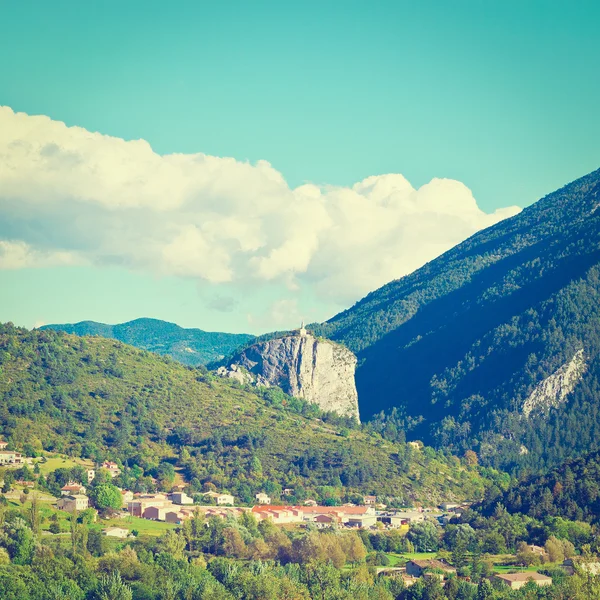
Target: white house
(117, 532)
(262, 498)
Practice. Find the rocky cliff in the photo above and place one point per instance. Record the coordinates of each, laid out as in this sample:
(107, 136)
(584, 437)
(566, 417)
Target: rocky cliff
(303, 366)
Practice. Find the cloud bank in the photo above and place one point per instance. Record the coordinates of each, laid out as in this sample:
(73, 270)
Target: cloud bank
(70, 197)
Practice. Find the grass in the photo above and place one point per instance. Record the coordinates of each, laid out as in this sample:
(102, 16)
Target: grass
(142, 526)
(59, 462)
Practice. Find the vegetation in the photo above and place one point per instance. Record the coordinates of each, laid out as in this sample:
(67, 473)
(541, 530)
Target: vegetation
(240, 559)
(571, 491)
(188, 346)
(97, 398)
(457, 346)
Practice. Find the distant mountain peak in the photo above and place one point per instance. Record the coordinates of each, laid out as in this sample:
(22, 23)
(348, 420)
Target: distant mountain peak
(188, 346)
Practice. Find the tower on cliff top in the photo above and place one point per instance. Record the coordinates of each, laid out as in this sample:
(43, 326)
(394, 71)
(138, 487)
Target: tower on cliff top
(302, 330)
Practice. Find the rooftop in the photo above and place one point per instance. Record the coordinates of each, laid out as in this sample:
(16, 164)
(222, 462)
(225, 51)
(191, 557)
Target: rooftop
(524, 576)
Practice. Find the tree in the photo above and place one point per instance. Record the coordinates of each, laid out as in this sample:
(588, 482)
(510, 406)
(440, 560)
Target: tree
(112, 587)
(425, 536)
(35, 518)
(106, 496)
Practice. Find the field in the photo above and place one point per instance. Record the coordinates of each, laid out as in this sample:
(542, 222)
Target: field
(54, 462)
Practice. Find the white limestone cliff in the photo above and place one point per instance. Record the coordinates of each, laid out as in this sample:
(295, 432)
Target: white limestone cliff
(319, 371)
(553, 391)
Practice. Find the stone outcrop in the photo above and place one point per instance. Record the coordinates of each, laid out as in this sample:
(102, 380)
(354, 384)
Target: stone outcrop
(553, 391)
(317, 370)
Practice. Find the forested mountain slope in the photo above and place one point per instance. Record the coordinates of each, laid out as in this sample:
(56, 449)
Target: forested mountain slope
(463, 346)
(571, 491)
(99, 398)
(188, 346)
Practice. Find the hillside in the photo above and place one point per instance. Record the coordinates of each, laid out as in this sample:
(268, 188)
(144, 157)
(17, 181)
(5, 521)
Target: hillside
(463, 348)
(99, 398)
(188, 346)
(571, 491)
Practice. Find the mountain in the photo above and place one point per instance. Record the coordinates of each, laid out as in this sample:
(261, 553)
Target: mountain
(495, 345)
(98, 398)
(570, 491)
(317, 370)
(188, 346)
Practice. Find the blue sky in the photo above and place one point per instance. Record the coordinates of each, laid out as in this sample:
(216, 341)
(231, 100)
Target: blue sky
(501, 96)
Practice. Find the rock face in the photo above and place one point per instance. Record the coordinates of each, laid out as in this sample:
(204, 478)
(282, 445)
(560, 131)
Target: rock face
(303, 366)
(553, 390)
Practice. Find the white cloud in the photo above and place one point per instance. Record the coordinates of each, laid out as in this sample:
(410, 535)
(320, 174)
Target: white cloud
(20, 255)
(71, 196)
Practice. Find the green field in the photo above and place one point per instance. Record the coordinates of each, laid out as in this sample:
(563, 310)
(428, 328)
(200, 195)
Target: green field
(59, 462)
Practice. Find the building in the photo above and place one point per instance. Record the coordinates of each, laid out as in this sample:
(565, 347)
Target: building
(221, 499)
(418, 568)
(91, 473)
(139, 504)
(9, 457)
(361, 521)
(516, 581)
(71, 489)
(396, 519)
(262, 498)
(414, 445)
(3, 445)
(111, 467)
(181, 498)
(323, 521)
(157, 513)
(117, 532)
(449, 505)
(288, 492)
(369, 500)
(127, 496)
(76, 502)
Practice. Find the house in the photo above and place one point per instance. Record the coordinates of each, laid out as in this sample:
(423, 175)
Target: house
(9, 457)
(139, 504)
(3, 445)
(127, 496)
(326, 520)
(449, 505)
(262, 498)
(516, 581)
(71, 489)
(539, 550)
(418, 568)
(221, 499)
(111, 467)
(310, 502)
(415, 445)
(117, 532)
(369, 500)
(91, 473)
(157, 513)
(181, 498)
(73, 503)
(288, 492)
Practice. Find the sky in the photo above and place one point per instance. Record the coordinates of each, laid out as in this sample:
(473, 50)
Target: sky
(241, 166)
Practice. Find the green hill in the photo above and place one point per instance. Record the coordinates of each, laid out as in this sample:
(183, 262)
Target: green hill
(98, 398)
(188, 346)
(571, 491)
(458, 346)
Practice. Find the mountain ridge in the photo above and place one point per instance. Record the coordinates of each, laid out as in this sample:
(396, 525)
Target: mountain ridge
(190, 346)
(459, 344)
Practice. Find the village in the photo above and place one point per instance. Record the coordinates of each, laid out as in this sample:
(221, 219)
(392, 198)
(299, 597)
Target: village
(176, 506)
